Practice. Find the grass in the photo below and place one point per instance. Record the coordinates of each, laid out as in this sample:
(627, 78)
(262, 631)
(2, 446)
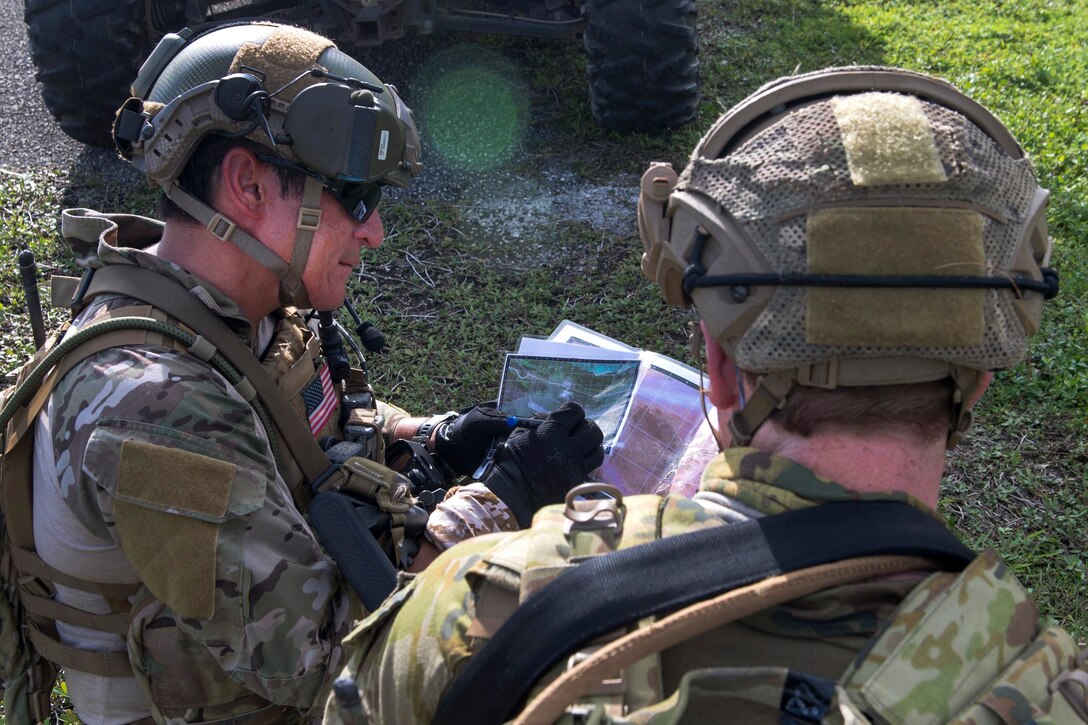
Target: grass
(451, 303)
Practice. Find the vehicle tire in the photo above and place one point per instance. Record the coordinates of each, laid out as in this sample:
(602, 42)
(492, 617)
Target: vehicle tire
(87, 53)
(643, 62)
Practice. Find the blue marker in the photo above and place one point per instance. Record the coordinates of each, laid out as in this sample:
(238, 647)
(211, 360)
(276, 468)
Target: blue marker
(515, 421)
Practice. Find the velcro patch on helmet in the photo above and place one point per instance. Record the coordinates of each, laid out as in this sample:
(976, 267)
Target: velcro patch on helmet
(887, 242)
(888, 140)
(152, 108)
(285, 54)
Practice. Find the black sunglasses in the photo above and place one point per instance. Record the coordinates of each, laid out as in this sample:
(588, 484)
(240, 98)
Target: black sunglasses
(358, 199)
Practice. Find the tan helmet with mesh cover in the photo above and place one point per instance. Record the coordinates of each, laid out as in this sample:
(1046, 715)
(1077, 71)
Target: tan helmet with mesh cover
(853, 227)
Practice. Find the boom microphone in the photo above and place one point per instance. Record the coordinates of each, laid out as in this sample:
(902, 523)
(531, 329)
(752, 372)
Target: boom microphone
(371, 337)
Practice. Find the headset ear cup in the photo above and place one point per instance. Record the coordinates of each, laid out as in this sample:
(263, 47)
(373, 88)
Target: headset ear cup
(659, 263)
(128, 126)
(233, 94)
(670, 277)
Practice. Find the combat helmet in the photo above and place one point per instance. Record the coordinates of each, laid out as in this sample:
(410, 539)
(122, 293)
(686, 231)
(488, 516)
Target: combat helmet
(857, 226)
(317, 110)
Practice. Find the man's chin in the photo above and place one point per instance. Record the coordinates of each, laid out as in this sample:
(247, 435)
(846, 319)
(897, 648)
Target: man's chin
(327, 302)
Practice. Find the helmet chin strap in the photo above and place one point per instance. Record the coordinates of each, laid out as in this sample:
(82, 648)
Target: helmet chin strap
(770, 394)
(968, 382)
(292, 291)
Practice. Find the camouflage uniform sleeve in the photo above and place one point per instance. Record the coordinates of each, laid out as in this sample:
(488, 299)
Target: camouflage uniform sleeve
(392, 416)
(468, 511)
(161, 456)
(405, 654)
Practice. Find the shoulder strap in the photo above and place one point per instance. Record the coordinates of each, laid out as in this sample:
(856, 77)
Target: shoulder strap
(693, 620)
(612, 591)
(176, 301)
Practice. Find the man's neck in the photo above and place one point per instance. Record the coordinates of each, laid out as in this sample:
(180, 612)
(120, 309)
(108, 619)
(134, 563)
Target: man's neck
(866, 464)
(254, 288)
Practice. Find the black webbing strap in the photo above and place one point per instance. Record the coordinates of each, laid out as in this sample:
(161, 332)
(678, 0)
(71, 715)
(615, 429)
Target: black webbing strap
(173, 299)
(608, 592)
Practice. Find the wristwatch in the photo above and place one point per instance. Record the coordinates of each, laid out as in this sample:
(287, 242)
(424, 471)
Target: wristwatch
(423, 433)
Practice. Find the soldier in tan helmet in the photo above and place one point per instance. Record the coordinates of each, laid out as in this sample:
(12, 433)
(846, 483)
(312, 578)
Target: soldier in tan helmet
(864, 247)
(164, 489)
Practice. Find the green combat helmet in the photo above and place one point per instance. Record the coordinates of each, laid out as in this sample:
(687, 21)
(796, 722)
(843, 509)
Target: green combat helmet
(854, 227)
(318, 111)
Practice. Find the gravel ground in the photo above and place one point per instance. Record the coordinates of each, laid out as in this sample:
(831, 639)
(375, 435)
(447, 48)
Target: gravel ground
(29, 139)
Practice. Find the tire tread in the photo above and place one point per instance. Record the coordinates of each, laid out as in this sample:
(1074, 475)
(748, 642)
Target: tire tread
(643, 62)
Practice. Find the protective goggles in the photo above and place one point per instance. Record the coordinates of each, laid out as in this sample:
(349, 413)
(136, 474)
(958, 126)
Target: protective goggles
(359, 199)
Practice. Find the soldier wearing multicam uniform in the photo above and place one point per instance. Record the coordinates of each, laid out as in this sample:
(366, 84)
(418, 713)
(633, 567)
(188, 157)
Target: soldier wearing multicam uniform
(160, 499)
(864, 246)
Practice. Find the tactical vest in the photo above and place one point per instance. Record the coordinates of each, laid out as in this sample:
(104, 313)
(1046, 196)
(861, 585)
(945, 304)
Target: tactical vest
(962, 648)
(30, 651)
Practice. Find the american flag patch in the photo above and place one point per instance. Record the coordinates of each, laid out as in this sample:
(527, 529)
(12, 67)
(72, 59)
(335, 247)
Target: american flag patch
(320, 399)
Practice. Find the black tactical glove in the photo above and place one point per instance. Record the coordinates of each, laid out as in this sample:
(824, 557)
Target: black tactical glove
(463, 442)
(537, 466)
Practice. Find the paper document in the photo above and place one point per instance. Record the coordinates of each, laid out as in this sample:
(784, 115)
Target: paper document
(648, 406)
(537, 384)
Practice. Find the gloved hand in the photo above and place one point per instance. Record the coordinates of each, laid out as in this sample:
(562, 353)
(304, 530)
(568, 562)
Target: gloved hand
(537, 466)
(463, 442)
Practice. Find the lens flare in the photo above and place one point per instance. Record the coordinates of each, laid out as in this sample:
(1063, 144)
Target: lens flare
(473, 113)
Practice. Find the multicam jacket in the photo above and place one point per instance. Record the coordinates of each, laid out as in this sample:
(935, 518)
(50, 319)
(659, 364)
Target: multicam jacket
(912, 648)
(150, 468)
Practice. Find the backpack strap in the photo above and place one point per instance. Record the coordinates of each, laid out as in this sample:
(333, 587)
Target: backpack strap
(618, 589)
(173, 299)
(548, 706)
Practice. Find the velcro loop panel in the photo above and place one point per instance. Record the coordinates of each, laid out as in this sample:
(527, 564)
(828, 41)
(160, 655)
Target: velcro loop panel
(166, 524)
(163, 477)
(888, 140)
(891, 242)
(202, 348)
(282, 56)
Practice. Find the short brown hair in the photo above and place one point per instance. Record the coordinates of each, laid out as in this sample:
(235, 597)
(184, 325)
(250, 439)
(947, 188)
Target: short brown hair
(920, 409)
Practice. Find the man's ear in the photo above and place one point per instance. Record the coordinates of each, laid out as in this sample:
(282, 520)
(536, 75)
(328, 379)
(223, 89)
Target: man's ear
(243, 189)
(976, 394)
(721, 370)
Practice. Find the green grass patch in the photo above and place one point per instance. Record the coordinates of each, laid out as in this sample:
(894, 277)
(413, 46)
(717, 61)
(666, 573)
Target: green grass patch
(450, 305)
(449, 313)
